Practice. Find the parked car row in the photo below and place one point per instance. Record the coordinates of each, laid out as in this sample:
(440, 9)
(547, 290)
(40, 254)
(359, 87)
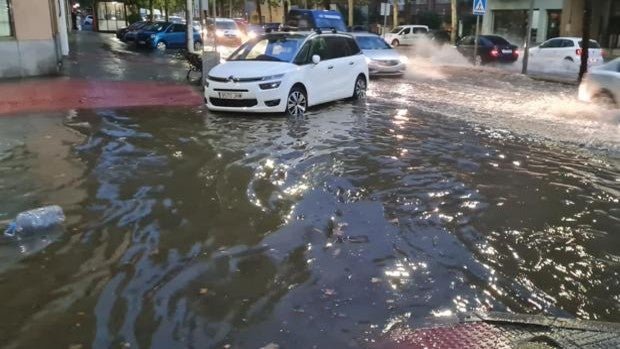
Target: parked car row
(163, 35)
(158, 35)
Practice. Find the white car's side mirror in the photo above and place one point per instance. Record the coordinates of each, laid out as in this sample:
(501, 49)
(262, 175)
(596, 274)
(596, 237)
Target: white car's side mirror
(316, 59)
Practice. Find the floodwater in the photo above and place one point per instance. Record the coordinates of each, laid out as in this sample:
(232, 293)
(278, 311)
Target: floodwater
(191, 230)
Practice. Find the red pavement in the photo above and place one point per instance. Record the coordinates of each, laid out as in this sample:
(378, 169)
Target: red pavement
(64, 94)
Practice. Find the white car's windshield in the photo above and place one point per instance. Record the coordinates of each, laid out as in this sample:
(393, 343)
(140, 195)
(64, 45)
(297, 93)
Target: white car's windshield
(225, 25)
(372, 43)
(279, 48)
(396, 30)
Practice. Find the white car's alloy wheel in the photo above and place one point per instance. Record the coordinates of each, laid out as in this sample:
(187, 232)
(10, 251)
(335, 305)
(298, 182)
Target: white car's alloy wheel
(296, 103)
(360, 88)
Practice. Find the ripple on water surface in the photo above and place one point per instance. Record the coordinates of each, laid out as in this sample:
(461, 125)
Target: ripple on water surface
(187, 229)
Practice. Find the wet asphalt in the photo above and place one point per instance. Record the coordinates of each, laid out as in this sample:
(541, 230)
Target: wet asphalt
(449, 190)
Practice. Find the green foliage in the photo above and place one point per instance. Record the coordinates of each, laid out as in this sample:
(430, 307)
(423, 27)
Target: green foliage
(431, 19)
(133, 17)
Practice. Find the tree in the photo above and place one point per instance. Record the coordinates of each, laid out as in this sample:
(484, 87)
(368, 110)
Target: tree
(454, 20)
(585, 38)
(259, 12)
(189, 30)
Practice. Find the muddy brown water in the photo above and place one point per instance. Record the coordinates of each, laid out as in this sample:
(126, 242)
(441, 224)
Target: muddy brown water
(190, 230)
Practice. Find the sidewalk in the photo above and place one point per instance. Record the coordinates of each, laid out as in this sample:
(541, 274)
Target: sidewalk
(101, 72)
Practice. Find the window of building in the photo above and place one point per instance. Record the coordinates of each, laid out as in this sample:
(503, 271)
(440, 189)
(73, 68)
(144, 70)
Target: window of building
(6, 26)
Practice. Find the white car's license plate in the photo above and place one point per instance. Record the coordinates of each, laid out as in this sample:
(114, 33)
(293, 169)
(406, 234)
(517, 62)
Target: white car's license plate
(506, 51)
(231, 95)
(141, 42)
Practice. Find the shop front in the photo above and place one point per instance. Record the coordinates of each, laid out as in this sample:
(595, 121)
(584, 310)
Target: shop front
(110, 16)
(509, 19)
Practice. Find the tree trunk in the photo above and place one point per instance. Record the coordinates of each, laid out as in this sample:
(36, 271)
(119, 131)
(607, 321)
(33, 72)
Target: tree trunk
(259, 12)
(269, 8)
(230, 14)
(585, 38)
(395, 14)
(528, 38)
(326, 4)
(166, 9)
(455, 22)
(351, 13)
(189, 31)
(151, 9)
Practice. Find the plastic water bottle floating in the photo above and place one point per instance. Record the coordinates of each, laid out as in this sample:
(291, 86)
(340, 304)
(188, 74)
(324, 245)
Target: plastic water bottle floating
(36, 220)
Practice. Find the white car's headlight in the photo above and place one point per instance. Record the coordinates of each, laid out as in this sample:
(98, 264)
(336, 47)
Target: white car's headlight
(252, 35)
(272, 77)
(219, 33)
(368, 60)
(270, 85)
(404, 59)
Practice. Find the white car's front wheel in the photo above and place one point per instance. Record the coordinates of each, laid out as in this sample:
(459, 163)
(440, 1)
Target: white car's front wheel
(297, 102)
(605, 100)
(359, 92)
(161, 46)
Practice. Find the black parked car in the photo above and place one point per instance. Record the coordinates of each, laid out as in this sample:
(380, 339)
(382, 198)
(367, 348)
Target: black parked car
(440, 37)
(120, 33)
(491, 48)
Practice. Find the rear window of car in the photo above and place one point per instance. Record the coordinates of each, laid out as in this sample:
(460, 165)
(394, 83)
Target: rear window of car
(330, 23)
(593, 44)
(497, 40)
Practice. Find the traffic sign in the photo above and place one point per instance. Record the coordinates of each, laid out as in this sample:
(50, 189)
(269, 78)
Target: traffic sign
(385, 9)
(480, 7)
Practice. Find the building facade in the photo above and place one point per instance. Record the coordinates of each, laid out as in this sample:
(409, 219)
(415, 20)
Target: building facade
(552, 18)
(33, 37)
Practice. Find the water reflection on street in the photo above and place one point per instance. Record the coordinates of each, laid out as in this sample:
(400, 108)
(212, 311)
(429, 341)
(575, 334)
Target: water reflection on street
(187, 229)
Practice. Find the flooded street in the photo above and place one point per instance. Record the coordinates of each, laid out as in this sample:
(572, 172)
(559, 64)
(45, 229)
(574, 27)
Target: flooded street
(444, 193)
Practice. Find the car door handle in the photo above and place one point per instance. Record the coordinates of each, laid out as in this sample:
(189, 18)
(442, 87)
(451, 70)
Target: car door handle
(351, 63)
(330, 67)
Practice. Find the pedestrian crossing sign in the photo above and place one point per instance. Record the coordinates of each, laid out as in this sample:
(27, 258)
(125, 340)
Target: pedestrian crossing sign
(480, 7)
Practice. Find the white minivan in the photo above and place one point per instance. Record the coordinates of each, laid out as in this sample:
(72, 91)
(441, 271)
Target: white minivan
(288, 72)
(406, 34)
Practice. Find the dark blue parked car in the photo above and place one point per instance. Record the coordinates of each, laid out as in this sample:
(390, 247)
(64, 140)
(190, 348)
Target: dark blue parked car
(132, 31)
(310, 19)
(163, 35)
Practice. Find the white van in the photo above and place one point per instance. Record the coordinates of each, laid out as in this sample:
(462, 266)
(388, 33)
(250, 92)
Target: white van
(405, 34)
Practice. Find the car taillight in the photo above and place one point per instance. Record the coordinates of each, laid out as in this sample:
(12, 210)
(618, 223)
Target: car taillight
(578, 52)
(515, 52)
(494, 52)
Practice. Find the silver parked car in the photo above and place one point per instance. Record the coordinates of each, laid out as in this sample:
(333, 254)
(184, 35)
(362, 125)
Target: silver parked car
(602, 85)
(382, 59)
